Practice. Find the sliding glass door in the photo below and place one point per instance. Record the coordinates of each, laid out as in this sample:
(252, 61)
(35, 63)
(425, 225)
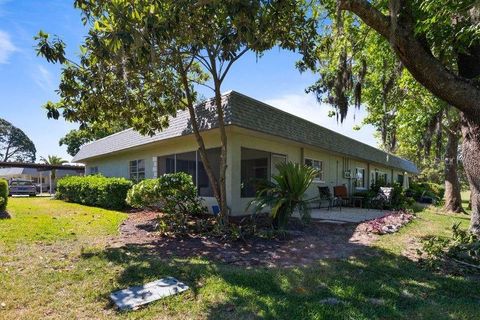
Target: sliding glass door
(191, 163)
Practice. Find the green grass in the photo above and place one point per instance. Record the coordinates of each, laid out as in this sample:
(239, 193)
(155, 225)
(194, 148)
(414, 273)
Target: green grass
(63, 275)
(465, 199)
(47, 220)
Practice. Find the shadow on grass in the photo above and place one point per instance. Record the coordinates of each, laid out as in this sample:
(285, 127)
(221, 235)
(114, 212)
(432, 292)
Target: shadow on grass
(374, 285)
(5, 215)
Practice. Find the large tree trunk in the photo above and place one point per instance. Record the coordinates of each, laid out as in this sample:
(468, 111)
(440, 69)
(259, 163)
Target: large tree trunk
(223, 156)
(471, 163)
(217, 81)
(453, 199)
(469, 68)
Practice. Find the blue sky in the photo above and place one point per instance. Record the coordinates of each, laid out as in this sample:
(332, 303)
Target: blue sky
(27, 81)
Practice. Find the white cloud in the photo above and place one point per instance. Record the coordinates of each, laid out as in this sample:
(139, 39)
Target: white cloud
(305, 106)
(43, 78)
(6, 47)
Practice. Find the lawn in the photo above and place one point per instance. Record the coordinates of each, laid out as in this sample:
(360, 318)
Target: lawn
(56, 262)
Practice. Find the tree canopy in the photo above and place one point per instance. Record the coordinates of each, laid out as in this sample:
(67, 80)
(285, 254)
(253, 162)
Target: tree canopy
(15, 145)
(142, 61)
(76, 138)
(437, 41)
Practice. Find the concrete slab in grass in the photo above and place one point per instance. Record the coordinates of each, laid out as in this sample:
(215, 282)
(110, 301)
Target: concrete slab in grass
(134, 297)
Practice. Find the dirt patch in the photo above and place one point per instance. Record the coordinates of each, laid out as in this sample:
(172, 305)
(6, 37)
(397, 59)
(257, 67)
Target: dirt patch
(303, 246)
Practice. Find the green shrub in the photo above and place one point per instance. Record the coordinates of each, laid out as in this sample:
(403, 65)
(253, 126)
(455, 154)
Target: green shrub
(286, 193)
(171, 193)
(3, 194)
(144, 194)
(399, 198)
(459, 253)
(427, 189)
(174, 194)
(437, 189)
(95, 191)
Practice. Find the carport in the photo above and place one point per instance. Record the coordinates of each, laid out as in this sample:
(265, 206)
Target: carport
(42, 168)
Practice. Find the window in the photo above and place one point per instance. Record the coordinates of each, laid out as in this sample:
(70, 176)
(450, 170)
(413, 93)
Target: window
(191, 163)
(381, 177)
(360, 178)
(400, 179)
(137, 170)
(254, 168)
(93, 170)
(317, 164)
(187, 162)
(21, 183)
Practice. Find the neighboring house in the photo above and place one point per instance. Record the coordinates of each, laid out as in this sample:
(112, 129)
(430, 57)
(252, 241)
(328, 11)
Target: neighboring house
(259, 137)
(36, 176)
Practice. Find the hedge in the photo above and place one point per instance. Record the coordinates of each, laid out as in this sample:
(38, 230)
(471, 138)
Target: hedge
(98, 191)
(426, 189)
(3, 194)
(173, 193)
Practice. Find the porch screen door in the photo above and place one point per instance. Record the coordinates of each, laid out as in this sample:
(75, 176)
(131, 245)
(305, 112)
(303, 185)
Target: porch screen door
(276, 159)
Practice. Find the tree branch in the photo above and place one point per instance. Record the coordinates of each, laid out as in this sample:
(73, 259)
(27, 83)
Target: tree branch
(204, 62)
(424, 67)
(201, 84)
(230, 62)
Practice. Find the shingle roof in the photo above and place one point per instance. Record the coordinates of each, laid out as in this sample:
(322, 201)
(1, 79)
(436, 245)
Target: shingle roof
(246, 112)
(17, 171)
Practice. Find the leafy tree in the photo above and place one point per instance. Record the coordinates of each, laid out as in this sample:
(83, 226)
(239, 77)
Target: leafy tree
(15, 145)
(53, 160)
(76, 138)
(437, 41)
(415, 124)
(142, 61)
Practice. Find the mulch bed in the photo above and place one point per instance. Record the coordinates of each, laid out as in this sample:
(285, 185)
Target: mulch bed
(303, 246)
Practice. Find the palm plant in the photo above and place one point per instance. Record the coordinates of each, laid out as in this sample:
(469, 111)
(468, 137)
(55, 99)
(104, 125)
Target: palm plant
(53, 160)
(286, 193)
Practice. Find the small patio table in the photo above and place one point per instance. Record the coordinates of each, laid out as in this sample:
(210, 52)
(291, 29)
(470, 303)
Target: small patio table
(357, 199)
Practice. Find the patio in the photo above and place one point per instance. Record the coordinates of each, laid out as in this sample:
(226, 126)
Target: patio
(346, 215)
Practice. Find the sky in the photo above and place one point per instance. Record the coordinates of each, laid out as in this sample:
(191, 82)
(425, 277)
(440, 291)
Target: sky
(28, 81)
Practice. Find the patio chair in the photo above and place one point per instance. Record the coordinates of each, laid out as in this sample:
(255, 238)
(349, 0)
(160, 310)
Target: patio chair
(341, 193)
(326, 196)
(383, 198)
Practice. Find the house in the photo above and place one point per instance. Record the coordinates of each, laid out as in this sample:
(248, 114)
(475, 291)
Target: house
(259, 137)
(39, 176)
